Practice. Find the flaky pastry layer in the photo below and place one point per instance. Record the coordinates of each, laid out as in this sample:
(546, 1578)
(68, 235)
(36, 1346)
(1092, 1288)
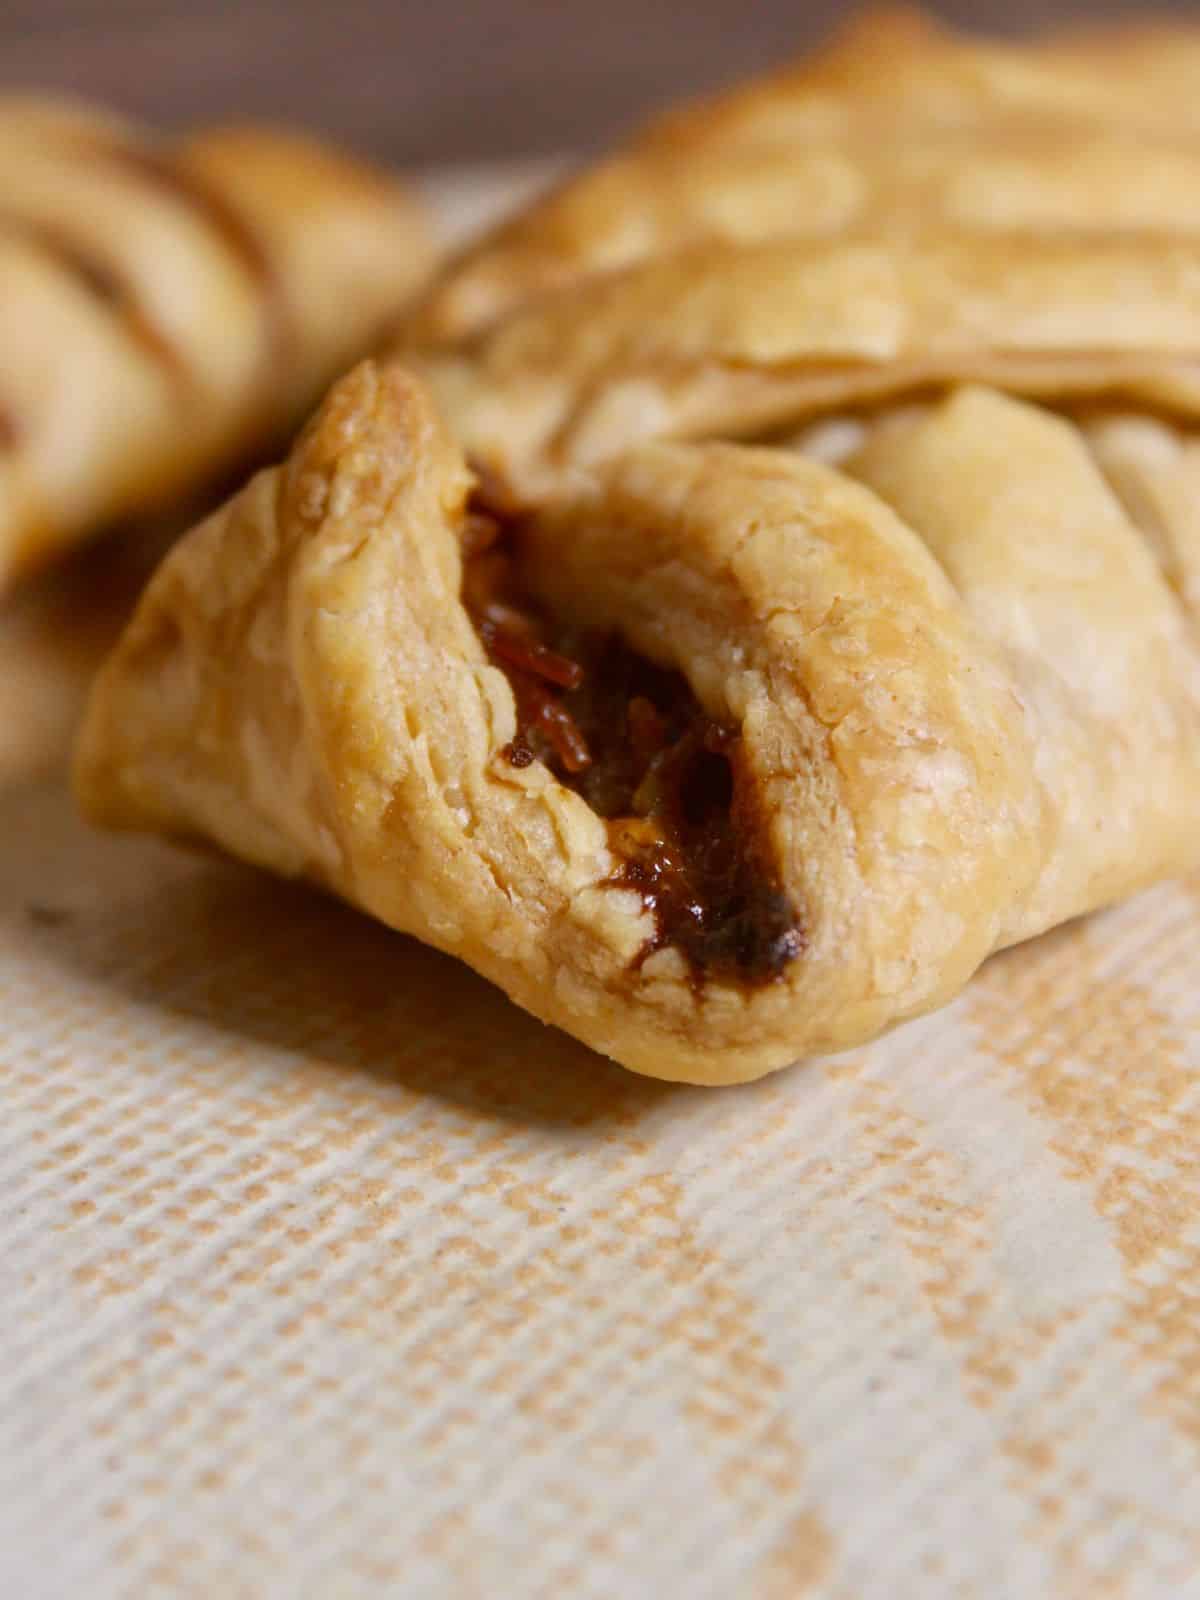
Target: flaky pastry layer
(968, 701)
(898, 123)
(741, 342)
(906, 211)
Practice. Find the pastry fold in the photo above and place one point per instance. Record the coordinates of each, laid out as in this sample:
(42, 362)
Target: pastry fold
(897, 125)
(899, 714)
(907, 210)
(166, 311)
(736, 341)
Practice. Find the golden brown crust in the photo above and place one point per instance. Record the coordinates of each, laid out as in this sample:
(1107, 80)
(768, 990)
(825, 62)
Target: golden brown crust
(164, 312)
(939, 773)
(897, 124)
(904, 211)
(738, 341)
(953, 638)
(1155, 471)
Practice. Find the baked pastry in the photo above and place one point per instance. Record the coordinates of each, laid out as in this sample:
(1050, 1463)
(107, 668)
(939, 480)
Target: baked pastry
(719, 754)
(165, 311)
(905, 210)
(732, 341)
(898, 124)
(723, 755)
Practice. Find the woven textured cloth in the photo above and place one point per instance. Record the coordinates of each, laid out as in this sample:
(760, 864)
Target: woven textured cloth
(327, 1272)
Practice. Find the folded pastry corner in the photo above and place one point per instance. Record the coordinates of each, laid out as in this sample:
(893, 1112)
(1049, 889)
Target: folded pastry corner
(169, 311)
(721, 758)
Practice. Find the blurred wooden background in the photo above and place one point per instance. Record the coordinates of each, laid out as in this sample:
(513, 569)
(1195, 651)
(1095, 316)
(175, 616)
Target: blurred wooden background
(420, 81)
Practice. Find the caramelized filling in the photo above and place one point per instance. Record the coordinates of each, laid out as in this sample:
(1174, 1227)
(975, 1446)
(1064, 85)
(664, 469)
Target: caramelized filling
(631, 738)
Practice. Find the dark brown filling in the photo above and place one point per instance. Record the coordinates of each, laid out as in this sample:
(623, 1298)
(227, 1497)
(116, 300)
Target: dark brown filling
(673, 783)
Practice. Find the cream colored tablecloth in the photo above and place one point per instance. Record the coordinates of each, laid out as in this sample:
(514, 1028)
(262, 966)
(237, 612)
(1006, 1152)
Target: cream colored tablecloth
(325, 1272)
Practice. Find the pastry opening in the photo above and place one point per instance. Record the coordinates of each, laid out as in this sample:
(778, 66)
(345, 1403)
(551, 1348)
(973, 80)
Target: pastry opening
(672, 783)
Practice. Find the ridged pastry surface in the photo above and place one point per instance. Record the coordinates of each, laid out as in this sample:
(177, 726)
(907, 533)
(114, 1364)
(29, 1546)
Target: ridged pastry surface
(167, 309)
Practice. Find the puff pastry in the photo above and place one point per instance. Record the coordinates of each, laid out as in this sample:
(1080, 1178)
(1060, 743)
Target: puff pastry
(166, 311)
(898, 124)
(841, 732)
(749, 341)
(719, 754)
(907, 210)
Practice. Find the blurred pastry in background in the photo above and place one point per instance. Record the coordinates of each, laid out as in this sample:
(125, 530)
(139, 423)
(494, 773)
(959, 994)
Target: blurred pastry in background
(168, 311)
